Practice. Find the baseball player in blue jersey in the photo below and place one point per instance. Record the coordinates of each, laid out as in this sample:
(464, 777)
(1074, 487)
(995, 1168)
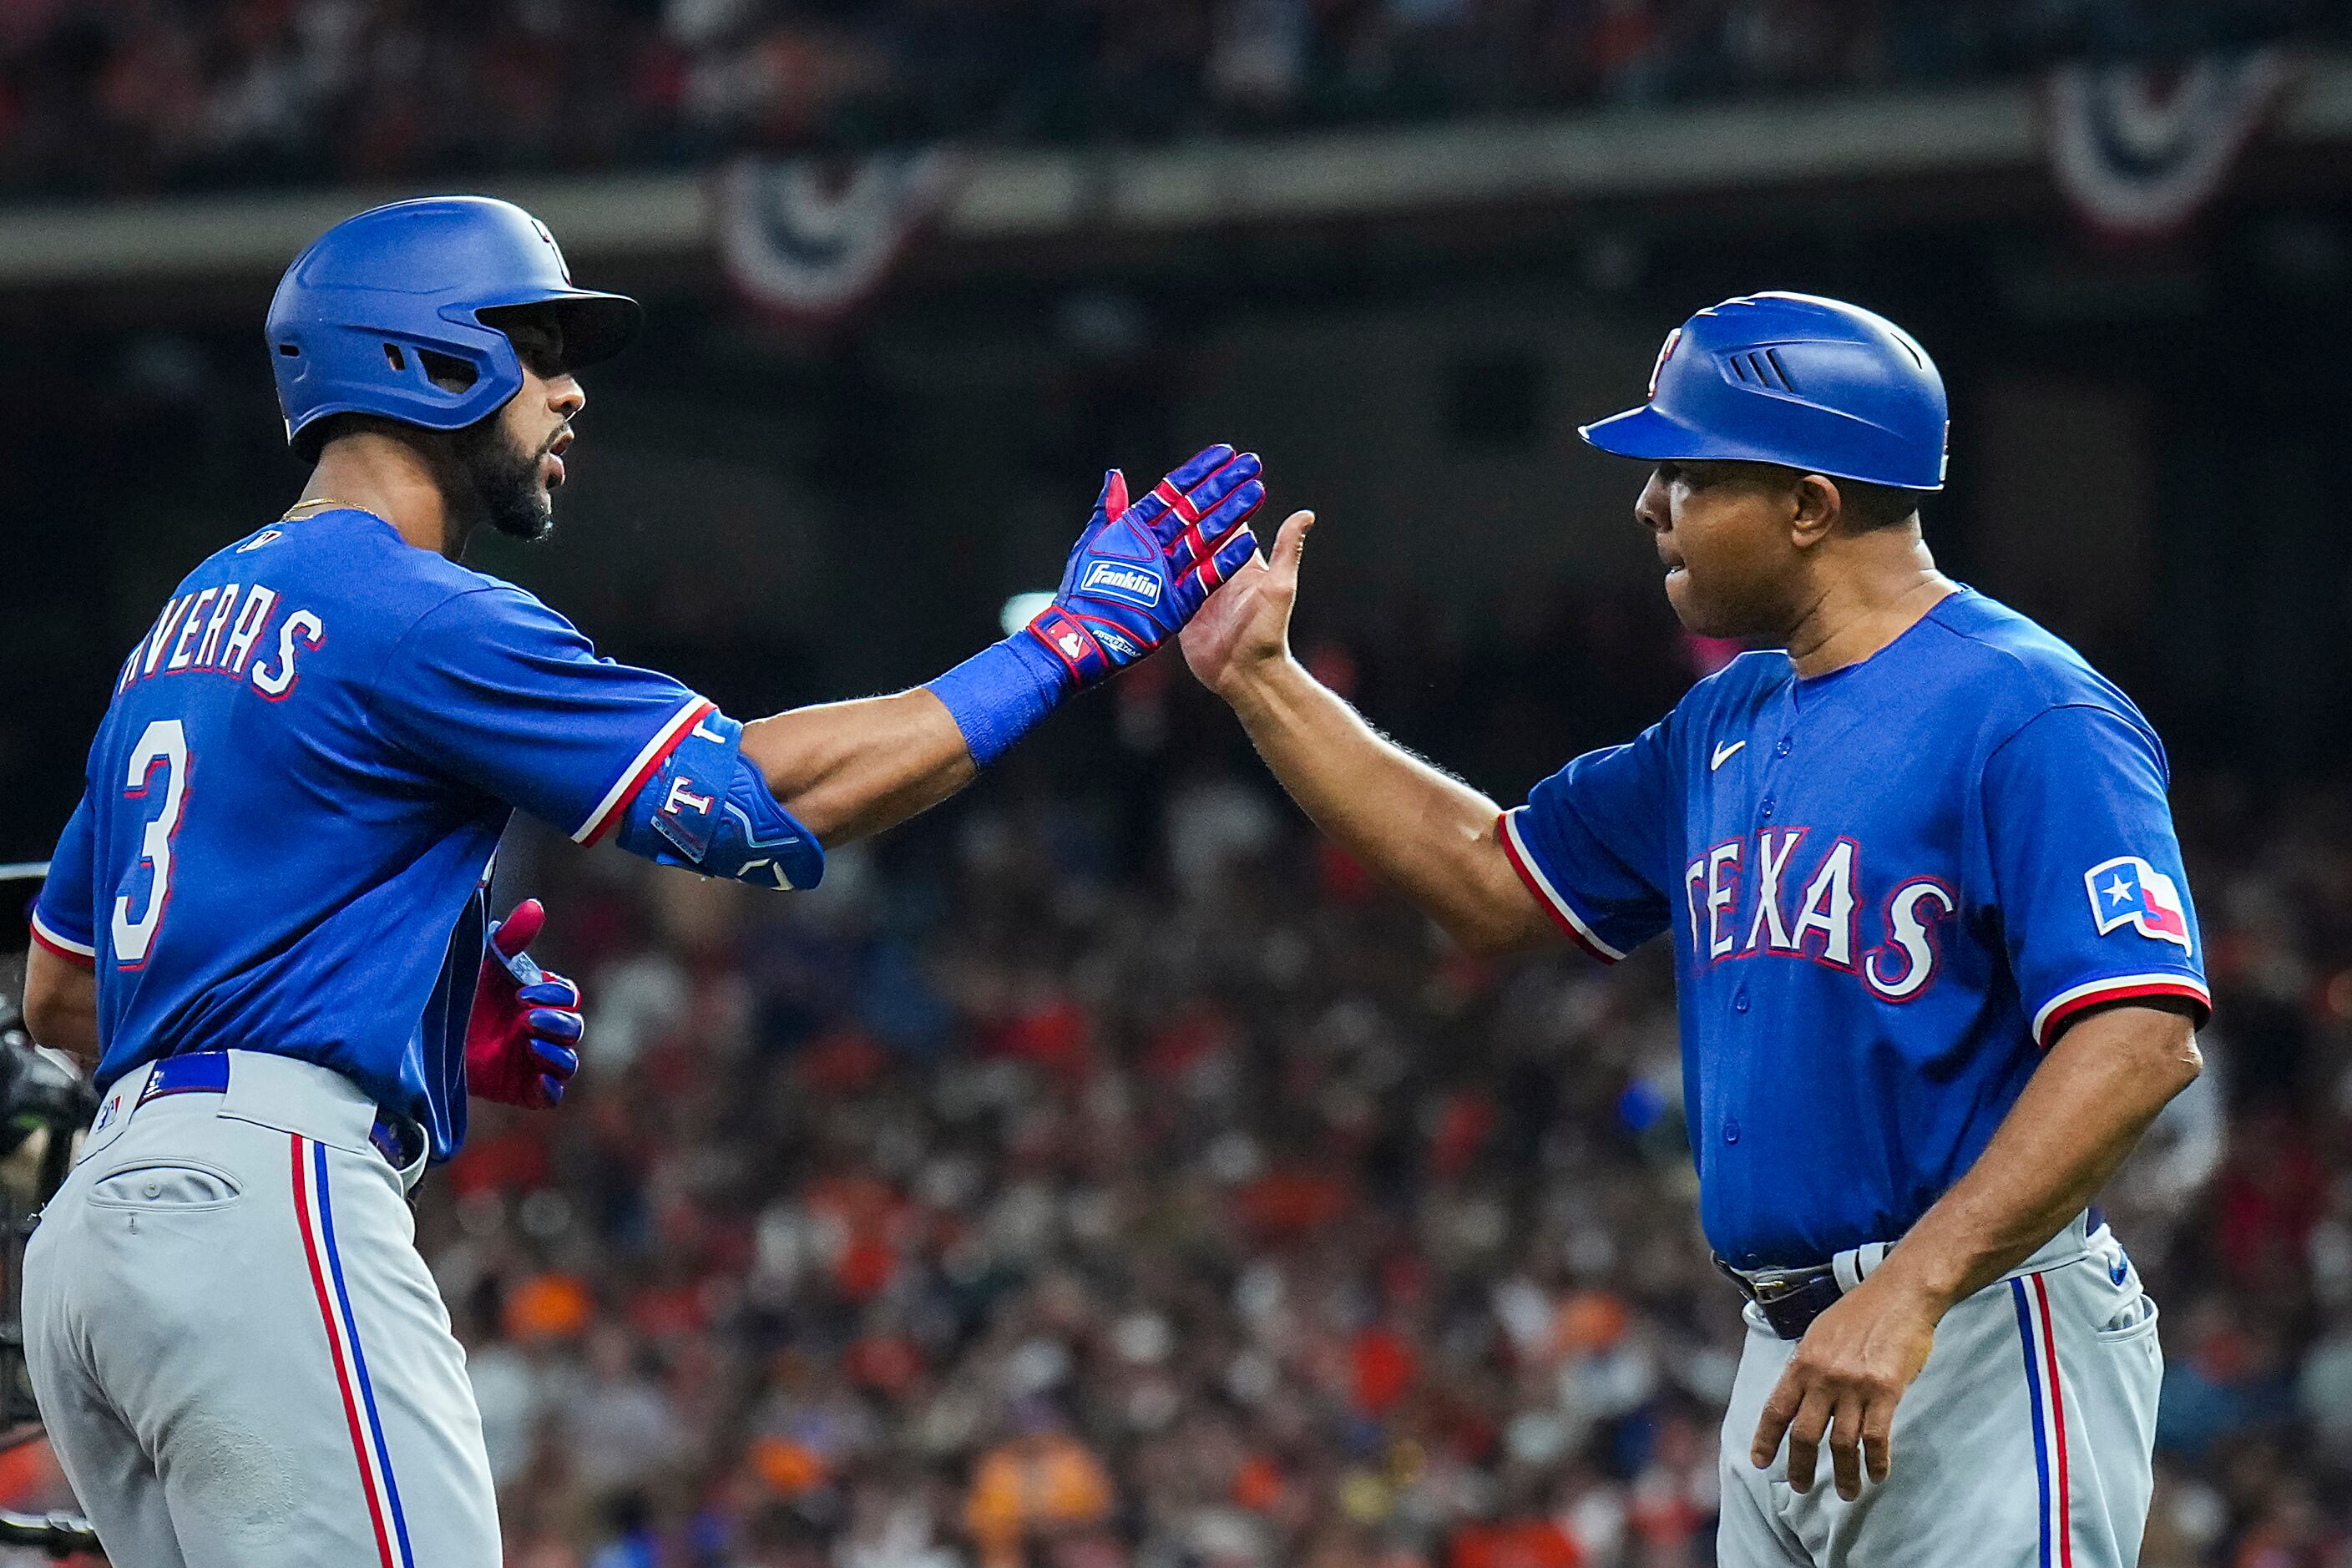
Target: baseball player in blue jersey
(1937, 968)
(266, 919)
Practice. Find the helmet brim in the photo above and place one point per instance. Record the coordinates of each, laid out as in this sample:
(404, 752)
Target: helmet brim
(1645, 432)
(595, 326)
(1650, 433)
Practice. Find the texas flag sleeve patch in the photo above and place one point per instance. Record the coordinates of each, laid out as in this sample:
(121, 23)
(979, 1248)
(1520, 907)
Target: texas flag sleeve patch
(2128, 890)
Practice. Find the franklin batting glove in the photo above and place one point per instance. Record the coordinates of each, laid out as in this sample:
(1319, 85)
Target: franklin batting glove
(1137, 574)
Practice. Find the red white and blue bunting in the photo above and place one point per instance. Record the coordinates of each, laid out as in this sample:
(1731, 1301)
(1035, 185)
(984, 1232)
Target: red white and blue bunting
(811, 240)
(2140, 150)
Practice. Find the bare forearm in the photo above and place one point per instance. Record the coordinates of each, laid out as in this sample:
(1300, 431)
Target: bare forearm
(60, 1004)
(850, 769)
(2082, 1113)
(1432, 834)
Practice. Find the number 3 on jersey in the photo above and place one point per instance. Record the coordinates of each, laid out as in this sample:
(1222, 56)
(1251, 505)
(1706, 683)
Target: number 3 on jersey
(162, 745)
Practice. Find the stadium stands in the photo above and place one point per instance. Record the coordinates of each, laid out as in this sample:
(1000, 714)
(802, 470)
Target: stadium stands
(107, 97)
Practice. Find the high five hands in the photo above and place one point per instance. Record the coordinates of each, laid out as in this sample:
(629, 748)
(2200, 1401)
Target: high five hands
(1141, 570)
(1245, 628)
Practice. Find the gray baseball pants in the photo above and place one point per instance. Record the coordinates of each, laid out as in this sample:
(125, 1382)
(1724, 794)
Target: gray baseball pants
(240, 1354)
(2025, 1443)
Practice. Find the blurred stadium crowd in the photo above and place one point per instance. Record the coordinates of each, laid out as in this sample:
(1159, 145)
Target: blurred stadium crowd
(120, 96)
(1106, 1174)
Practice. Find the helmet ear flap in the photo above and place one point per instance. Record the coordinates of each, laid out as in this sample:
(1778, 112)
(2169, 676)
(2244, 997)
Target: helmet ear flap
(491, 370)
(460, 373)
(447, 371)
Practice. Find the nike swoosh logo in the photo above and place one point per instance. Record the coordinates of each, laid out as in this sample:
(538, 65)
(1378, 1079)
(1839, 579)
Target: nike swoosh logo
(1723, 754)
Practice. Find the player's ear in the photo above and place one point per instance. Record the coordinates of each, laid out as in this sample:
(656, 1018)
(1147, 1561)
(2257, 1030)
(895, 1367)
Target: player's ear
(1816, 507)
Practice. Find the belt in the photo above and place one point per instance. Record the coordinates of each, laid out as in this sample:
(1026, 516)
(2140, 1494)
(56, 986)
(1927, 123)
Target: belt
(399, 1140)
(1790, 1298)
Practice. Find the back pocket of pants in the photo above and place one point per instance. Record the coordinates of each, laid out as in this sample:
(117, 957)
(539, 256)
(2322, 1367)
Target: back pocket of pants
(2133, 1319)
(175, 1185)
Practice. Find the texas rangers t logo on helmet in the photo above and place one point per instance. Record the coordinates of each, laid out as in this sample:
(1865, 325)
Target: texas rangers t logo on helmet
(2129, 890)
(1665, 354)
(548, 234)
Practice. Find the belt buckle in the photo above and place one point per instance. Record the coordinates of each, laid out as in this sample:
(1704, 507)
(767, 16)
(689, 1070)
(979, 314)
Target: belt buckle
(1739, 1279)
(1771, 1285)
(1766, 1287)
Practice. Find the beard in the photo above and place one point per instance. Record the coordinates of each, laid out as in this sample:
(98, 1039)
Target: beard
(492, 481)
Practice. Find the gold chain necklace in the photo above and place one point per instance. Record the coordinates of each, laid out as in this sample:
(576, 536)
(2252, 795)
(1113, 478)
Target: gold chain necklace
(303, 508)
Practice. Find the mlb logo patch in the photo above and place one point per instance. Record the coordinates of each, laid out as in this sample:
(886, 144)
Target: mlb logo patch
(1071, 643)
(106, 1113)
(2128, 890)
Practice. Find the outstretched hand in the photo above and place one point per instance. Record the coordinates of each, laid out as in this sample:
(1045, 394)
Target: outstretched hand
(1246, 625)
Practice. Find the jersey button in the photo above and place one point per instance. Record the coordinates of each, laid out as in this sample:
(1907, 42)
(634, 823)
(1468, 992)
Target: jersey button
(1740, 1000)
(1731, 1130)
(1765, 810)
(1782, 749)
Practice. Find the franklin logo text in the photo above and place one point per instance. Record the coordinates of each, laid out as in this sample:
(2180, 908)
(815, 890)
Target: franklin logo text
(1130, 583)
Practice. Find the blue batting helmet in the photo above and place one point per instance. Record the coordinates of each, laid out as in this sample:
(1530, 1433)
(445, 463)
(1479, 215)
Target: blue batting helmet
(358, 314)
(1807, 383)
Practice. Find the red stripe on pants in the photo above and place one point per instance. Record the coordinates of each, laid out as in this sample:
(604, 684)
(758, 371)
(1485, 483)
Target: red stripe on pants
(334, 1353)
(2058, 1419)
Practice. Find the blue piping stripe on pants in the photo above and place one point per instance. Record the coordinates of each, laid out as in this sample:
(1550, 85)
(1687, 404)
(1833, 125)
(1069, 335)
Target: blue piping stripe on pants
(2033, 1390)
(359, 1359)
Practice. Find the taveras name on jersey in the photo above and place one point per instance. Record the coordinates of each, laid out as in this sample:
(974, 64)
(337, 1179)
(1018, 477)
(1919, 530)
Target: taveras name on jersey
(291, 805)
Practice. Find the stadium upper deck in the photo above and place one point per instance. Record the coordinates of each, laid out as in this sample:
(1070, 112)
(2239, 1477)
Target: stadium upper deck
(113, 97)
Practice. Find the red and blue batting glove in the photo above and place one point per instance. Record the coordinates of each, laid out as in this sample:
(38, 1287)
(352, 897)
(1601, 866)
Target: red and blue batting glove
(1137, 574)
(520, 1042)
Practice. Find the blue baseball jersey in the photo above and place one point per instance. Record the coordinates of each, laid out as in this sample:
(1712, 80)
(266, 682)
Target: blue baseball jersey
(291, 805)
(1889, 887)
